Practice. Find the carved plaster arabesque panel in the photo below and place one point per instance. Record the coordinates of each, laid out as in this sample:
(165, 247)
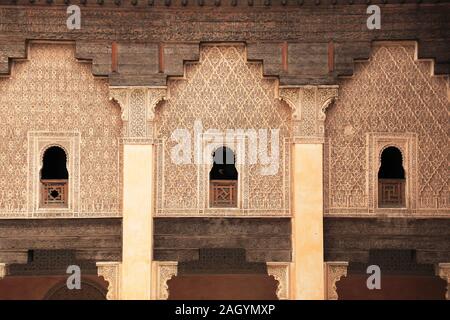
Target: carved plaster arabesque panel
(392, 93)
(407, 144)
(111, 272)
(138, 111)
(165, 270)
(38, 142)
(308, 104)
(51, 91)
(334, 271)
(280, 271)
(223, 91)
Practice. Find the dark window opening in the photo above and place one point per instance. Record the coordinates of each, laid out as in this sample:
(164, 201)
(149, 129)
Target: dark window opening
(54, 178)
(223, 179)
(391, 164)
(223, 165)
(391, 179)
(54, 166)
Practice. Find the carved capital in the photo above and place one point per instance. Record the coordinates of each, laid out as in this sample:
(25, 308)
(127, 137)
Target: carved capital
(280, 271)
(308, 104)
(3, 270)
(335, 270)
(165, 271)
(443, 271)
(138, 109)
(111, 272)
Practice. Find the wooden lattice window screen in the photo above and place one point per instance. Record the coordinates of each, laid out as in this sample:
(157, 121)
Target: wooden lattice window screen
(223, 193)
(391, 193)
(54, 193)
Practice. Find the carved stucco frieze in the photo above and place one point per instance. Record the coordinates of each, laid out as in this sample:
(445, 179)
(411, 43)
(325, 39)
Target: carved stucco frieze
(3, 270)
(335, 270)
(111, 272)
(280, 271)
(165, 271)
(443, 271)
(308, 104)
(138, 111)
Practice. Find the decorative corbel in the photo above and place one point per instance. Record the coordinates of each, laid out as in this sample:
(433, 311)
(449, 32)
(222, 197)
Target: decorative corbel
(280, 271)
(325, 97)
(111, 272)
(121, 97)
(443, 271)
(308, 104)
(165, 271)
(3, 270)
(335, 270)
(138, 111)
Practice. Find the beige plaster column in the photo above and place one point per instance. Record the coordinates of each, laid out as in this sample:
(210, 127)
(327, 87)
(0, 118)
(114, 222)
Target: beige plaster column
(308, 105)
(138, 110)
(443, 271)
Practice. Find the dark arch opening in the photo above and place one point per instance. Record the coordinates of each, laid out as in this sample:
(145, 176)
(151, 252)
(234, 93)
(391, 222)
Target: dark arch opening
(223, 165)
(391, 164)
(54, 164)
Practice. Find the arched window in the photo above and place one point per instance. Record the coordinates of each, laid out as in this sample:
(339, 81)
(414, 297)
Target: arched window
(54, 178)
(223, 178)
(391, 179)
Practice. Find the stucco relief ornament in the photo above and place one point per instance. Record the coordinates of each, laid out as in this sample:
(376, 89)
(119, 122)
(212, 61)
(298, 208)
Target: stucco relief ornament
(280, 271)
(335, 271)
(110, 271)
(308, 104)
(138, 110)
(166, 271)
(121, 97)
(443, 271)
(3, 270)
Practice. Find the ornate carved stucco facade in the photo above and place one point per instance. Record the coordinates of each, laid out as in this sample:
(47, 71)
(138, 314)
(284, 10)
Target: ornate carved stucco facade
(226, 93)
(53, 99)
(306, 225)
(392, 99)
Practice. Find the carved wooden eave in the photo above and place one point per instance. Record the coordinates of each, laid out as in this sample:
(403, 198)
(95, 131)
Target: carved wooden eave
(138, 111)
(280, 271)
(308, 104)
(111, 272)
(334, 271)
(443, 271)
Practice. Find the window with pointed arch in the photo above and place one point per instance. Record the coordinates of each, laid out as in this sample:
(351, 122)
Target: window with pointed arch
(54, 178)
(223, 179)
(391, 179)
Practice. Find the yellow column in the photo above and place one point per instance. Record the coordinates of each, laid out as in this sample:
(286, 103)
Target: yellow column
(308, 104)
(137, 221)
(138, 111)
(307, 222)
